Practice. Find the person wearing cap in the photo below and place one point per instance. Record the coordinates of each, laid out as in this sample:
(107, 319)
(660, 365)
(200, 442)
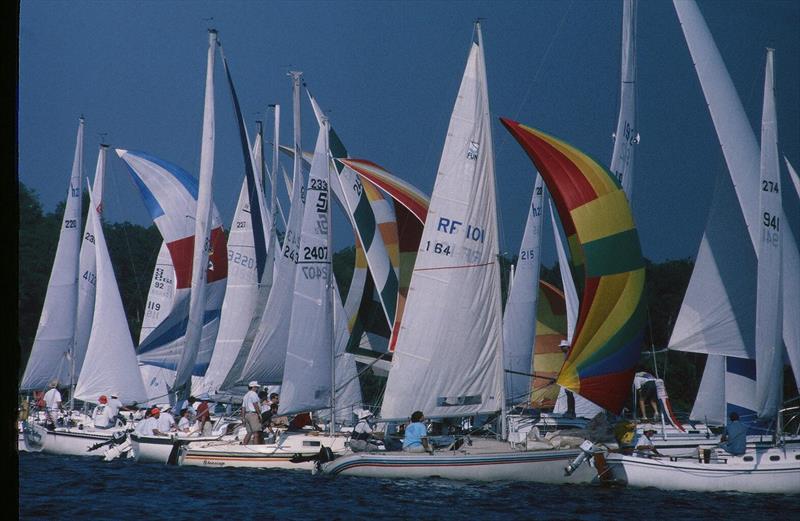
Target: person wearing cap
(149, 426)
(251, 414)
(100, 414)
(644, 444)
(166, 421)
(363, 438)
(52, 400)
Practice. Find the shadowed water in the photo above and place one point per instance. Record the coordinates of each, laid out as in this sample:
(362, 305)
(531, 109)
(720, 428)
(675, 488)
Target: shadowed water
(62, 487)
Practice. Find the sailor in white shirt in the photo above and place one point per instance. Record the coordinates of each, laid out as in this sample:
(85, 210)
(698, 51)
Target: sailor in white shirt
(149, 426)
(113, 407)
(251, 414)
(100, 414)
(185, 424)
(52, 400)
(166, 422)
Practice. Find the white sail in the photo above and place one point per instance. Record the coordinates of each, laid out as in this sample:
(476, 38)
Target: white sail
(793, 176)
(448, 357)
(265, 363)
(626, 135)
(709, 405)
(570, 292)
(87, 272)
(769, 316)
(202, 231)
(110, 364)
(742, 157)
(519, 325)
(307, 381)
(51, 354)
(160, 296)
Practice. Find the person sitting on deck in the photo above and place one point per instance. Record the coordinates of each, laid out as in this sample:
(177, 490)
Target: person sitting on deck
(416, 435)
(166, 422)
(185, 424)
(363, 438)
(734, 439)
(149, 426)
(644, 444)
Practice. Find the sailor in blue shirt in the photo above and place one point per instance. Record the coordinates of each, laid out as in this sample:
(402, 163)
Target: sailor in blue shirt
(416, 435)
(735, 437)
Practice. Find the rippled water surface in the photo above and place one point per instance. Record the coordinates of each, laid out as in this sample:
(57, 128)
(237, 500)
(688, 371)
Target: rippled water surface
(61, 487)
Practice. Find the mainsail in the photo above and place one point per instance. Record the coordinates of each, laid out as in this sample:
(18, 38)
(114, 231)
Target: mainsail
(599, 225)
(626, 136)
(448, 357)
(307, 376)
(51, 354)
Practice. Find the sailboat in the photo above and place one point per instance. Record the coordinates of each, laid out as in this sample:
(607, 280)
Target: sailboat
(448, 360)
(110, 360)
(751, 300)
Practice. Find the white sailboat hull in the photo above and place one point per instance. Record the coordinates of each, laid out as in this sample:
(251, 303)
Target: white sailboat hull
(157, 449)
(271, 455)
(545, 466)
(775, 470)
(69, 441)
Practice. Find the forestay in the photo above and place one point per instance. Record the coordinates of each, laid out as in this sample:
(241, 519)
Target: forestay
(448, 357)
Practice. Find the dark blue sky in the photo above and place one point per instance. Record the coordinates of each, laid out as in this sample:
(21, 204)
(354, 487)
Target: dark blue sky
(388, 72)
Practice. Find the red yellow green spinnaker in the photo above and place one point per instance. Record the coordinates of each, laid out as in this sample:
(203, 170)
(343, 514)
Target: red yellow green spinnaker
(603, 240)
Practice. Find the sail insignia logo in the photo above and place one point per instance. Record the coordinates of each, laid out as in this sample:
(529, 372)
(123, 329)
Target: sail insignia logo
(472, 153)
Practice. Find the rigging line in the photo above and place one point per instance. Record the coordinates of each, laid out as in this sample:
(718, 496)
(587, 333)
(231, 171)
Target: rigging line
(506, 136)
(456, 267)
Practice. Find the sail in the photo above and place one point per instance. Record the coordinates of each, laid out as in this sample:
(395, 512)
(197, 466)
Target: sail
(51, 357)
(307, 375)
(742, 157)
(161, 294)
(567, 282)
(709, 405)
(448, 357)
(372, 231)
(411, 208)
(265, 363)
(791, 280)
(599, 226)
(548, 357)
(519, 331)
(170, 196)
(110, 364)
(769, 316)
(87, 271)
(626, 136)
(249, 266)
(793, 176)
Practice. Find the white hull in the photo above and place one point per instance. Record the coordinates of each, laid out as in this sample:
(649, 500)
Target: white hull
(775, 470)
(278, 455)
(545, 466)
(66, 441)
(157, 449)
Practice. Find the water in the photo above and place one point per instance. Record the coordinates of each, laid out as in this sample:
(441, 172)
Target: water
(62, 487)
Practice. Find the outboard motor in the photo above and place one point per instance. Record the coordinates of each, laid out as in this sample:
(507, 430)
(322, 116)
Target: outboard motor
(587, 449)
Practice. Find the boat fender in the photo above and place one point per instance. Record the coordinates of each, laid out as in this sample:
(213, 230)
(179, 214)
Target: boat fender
(587, 449)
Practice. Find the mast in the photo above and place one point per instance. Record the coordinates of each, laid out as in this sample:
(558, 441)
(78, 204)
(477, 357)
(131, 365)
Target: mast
(202, 243)
(77, 172)
(331, 286)
(275, 166)
(298, 147)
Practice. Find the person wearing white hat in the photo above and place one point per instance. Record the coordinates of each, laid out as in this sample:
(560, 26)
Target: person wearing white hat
(113, 407)
(363, 438)
(251, 414)
(644, 443)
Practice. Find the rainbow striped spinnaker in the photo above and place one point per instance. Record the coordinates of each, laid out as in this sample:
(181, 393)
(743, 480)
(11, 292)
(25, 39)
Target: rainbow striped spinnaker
(603, 242)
